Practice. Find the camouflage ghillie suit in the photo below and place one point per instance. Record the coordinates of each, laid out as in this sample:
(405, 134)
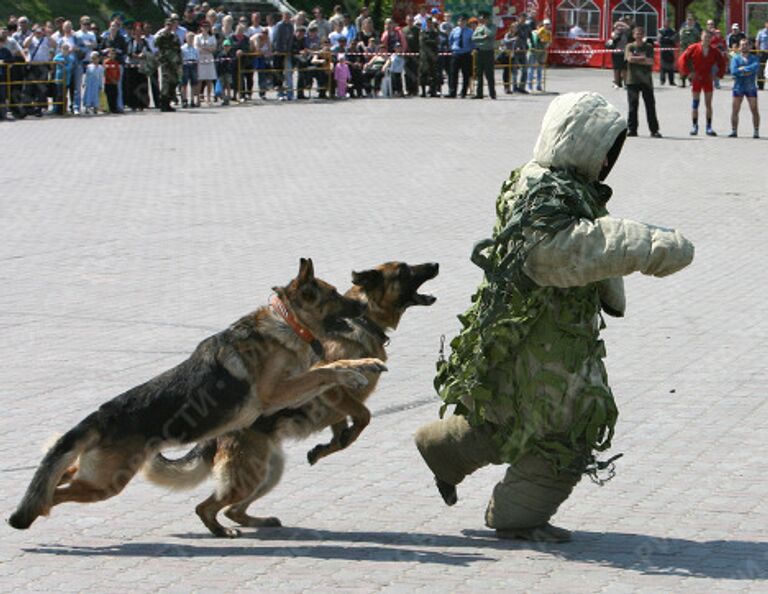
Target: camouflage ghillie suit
(169, 59)
(525, 374)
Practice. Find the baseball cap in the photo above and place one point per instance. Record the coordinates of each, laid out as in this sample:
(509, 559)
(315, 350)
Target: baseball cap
(735, 26)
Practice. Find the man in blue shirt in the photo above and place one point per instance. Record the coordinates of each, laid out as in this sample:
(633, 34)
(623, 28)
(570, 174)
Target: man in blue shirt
(460, 42)
(744, 67)
(761, 45)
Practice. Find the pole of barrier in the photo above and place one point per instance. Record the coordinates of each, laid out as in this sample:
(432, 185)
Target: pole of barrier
(64, 90)
(472, 80)
(238, 96)
(8, 99)
(330, 74)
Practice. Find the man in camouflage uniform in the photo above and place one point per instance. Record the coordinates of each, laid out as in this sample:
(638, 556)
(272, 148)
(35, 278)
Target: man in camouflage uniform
(690, 33)
(169, 58)
(525, 374)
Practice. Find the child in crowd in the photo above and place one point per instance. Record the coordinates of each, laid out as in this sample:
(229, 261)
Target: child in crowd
(65, 77)
(342, 75)
(225, 68)
(111, 80)
(263, 62)
(319, 64)
(395, 67)
(94, 84)
(190, 56)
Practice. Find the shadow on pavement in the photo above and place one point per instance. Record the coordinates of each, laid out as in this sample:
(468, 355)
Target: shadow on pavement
(650, 555)
(721, 559)
(224, 549)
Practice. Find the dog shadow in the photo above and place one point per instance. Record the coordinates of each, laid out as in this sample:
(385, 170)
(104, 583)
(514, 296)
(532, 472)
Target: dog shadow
(718, 559)
(224, 549)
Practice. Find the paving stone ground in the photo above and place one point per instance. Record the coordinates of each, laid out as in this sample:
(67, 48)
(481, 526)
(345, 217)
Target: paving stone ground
(126, 240)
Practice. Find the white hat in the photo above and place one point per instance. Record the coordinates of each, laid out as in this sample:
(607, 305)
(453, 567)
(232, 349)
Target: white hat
(735, 26)
(546, 22)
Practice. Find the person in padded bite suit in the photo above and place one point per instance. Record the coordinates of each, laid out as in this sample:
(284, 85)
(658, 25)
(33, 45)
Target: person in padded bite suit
(525, 375)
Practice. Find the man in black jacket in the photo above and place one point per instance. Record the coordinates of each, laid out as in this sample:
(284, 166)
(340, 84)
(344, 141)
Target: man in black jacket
(282, 44)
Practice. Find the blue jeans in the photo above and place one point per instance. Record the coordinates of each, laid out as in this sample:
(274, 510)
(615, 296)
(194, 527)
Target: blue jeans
(534, 65)
(77, 78)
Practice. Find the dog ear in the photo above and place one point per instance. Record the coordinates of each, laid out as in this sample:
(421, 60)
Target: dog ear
(306, 270)
(367, 279)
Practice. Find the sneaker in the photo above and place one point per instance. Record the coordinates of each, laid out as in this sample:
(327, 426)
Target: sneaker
(733, 134)
(656, 134)
(694, 130)
(711, 132)
(756, 134)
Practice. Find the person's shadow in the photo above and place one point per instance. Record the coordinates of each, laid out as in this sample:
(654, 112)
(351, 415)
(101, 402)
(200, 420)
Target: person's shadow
(720, 559)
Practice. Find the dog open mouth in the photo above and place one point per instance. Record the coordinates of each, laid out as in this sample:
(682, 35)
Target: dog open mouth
(419, 275)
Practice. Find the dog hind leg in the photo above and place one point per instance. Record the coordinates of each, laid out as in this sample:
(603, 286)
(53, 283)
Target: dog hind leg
(68, 475)
(101, 474)
(275, 464)
(207, 511)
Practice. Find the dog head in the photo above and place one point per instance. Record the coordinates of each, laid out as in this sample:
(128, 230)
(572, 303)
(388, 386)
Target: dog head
(316, 304)
(391, 288)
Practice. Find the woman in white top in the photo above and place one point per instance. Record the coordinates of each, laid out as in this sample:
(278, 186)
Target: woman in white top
(206, 65)
(39, 47)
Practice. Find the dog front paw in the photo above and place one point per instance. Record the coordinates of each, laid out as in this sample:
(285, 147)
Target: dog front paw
(345, 437)
(352, 379)
(313, 455)
(370, 365)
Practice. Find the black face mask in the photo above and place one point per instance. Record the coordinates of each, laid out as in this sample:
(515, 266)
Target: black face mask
(613, 155)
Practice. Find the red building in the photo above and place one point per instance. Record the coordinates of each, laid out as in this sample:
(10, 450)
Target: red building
(581, 28)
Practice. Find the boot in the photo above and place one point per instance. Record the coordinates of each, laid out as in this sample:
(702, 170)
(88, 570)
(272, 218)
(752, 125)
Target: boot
(544, 533)
(453, 449)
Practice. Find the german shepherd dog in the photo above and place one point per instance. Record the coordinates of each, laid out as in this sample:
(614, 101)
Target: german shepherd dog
(258, 366)
(247, 464)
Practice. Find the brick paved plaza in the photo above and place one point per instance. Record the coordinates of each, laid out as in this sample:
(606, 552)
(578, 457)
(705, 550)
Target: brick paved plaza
(126, 240)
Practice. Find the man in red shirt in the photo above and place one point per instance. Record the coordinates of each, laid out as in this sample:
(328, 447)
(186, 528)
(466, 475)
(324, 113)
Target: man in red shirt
(717, 42)
(698, 62)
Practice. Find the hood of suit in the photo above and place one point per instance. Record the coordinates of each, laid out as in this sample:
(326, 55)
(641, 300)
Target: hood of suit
(578, 132)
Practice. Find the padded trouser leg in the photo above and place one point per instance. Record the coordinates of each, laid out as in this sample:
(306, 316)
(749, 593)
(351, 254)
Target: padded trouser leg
(453, 449)
(529, 494)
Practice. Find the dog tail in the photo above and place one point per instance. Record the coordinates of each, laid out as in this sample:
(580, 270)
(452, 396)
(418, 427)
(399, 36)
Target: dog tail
(182, 473)
(39, 496)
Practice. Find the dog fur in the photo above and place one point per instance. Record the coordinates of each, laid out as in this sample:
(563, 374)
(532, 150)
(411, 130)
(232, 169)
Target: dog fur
(248, 463)
(257, 366)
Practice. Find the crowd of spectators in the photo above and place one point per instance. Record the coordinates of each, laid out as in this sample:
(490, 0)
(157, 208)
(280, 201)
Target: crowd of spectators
(72, 65)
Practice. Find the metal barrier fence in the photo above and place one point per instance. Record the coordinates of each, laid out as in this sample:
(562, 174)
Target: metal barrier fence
(31, 84)
(304, 74)
(519, 65)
